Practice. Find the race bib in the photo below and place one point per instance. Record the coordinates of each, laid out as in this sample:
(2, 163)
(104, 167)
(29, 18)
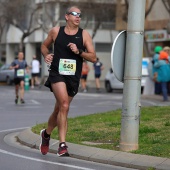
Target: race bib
(67, 67)
(20, 73)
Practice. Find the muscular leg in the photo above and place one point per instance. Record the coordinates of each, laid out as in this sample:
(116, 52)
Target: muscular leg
(16, 89)
(22, 89)
(85, 87)
(32, 81)
(36, 80)
(52, 121)
(97, 83)
(62, 108)
(83, 84)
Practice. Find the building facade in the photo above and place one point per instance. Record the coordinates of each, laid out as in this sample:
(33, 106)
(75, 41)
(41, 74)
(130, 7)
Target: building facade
(157, 23)
(102, 40)
(112, 21)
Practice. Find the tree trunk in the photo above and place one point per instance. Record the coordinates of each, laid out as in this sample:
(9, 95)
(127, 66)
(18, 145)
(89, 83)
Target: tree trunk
(145, 48)
(21, 45)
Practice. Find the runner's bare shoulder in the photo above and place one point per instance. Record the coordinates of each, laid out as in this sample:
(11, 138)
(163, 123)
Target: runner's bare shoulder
(54, 32)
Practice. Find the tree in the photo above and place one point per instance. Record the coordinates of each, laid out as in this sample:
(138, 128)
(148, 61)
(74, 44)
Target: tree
(100, 13)
(96, 13)
(148, 10)
(167, 7)
(29, 17)
(23, 15)
(166, 4)
(2, 22)
(2, 25)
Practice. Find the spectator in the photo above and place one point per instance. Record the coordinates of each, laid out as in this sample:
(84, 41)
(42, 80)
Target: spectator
(84, 74)
(35, 70)
(98, 67)
(162, 70)
(167, 49)
(153, 75)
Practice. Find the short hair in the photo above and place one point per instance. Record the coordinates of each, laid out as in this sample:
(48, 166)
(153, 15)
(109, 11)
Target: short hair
(68, 9)
(20, 52)
(166, 48)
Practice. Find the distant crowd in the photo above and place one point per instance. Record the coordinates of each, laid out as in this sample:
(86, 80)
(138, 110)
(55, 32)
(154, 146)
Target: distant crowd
(161, 71)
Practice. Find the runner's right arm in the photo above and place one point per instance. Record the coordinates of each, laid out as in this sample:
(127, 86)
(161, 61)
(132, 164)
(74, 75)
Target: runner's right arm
(47, 43)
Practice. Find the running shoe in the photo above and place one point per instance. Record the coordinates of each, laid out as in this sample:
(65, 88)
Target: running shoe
(44, 145)
(62, 150)
(16, 100)
(22, 101)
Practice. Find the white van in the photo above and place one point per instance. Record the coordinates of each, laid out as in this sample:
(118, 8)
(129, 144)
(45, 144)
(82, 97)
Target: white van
(111, 82)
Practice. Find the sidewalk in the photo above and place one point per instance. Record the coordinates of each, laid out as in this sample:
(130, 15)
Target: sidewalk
(124, 159)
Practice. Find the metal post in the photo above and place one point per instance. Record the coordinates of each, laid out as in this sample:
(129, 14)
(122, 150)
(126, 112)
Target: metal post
(132, 76)
(43, 37)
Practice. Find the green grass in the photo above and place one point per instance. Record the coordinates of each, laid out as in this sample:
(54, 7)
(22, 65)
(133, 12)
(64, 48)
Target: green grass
(154, 131)
(151, 168)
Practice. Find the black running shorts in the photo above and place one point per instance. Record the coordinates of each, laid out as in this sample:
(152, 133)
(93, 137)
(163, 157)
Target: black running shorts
(84, 77)
(17, 80)
(97, 75)
(35, 74)
(72, 86)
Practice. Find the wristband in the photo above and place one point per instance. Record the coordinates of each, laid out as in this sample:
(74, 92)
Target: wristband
(80, 51)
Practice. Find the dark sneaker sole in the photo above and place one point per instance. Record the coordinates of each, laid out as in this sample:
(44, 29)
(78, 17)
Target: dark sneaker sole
(22, 101)
(63, 155)
(16, 101)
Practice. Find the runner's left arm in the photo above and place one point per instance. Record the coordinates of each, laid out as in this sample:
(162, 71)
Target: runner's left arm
(89, 54)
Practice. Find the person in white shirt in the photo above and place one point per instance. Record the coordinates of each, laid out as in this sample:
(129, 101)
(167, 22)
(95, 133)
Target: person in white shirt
(35, 66)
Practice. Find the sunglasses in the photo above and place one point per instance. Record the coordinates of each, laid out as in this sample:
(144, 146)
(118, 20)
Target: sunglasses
(75, 14)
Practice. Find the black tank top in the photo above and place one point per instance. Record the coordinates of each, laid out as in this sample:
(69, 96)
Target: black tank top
(62, 52)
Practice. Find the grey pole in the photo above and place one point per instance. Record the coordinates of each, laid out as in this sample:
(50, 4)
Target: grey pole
(132, 76)
(43, 37)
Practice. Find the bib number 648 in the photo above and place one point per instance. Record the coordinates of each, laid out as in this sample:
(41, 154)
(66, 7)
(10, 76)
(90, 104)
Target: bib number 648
(69, 66)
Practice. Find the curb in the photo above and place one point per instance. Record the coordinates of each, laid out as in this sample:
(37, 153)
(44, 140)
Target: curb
(117, 158)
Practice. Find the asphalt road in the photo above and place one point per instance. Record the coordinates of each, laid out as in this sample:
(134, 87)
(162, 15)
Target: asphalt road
(39, 104)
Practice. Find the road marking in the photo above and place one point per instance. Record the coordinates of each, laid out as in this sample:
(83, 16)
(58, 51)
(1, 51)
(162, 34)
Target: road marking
(29, 107)
(149, 102)
(28, 102)
(93, 95)
(155, 103)
(7, 130)
(35, 159)
(106, 103)
(35, 102)
(43, 161)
